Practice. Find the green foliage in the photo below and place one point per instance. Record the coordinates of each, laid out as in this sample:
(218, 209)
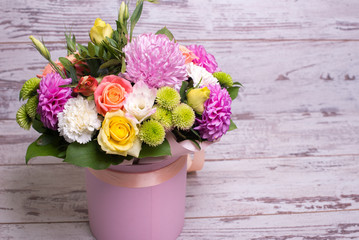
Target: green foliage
(233, 92)
(232, 126)
(182, 91)
(90, 155)
(161, 150)
(166, 32)
(47, 144)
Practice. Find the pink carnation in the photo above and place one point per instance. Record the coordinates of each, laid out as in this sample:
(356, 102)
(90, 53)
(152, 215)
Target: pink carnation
(204, 59)
(217, 114)
(155, 60)
(52, 98)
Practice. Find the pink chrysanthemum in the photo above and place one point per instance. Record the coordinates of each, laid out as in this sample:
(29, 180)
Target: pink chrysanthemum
(204, 59)
(217, 114)
(155, 60)
(52, 98)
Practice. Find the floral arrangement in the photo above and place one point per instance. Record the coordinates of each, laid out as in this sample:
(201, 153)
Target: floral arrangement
(119, 96)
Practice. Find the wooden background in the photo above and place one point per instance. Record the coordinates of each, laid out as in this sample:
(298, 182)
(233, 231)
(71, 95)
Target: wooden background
(291, 170)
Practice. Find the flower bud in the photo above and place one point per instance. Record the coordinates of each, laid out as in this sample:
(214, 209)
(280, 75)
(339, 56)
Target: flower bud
(123, 13)
(86, 86)
(197, 97)
(100, 31)
(41, 48)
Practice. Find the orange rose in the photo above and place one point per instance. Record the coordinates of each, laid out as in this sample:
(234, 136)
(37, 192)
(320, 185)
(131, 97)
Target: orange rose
(110, 94)
(188, 54)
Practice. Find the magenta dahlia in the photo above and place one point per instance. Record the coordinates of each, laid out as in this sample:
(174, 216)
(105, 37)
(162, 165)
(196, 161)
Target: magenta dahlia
(205, 60)
(217, 114)
(155, 60)
(52, 98)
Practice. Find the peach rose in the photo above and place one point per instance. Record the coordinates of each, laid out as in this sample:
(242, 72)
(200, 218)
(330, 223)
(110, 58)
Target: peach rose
(110, 94)
(188, 54)
(87, 86)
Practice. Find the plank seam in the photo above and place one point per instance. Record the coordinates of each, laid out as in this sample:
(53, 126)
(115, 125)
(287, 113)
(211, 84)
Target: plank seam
(204, 217)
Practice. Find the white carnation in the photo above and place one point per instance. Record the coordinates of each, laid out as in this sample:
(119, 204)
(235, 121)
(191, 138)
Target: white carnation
(79, 120)
(200, 76)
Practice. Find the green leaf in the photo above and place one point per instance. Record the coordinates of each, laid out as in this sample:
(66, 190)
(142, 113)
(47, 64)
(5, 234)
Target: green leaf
(196, 143)
(232, 126)
(68, 85)
(90, 155)
(183, 91)
(91, 49)
(110, 63)
(161, 150)
(238, 83)
(38, 125)
(166, 32)
(82, 50)
(233, 92)
(51, 148)
(123, 65)
(135, 16)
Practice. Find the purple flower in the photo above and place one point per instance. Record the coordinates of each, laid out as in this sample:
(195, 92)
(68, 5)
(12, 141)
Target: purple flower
(155, 60)
(52, 98)
(204, 59)
(217, 114)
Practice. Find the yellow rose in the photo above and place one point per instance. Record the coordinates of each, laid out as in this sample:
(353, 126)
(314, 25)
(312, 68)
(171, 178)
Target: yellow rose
(197, 97)
(118, 135)
(100, 31)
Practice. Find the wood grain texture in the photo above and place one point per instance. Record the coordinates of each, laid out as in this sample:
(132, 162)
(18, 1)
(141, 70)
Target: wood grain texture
(191, 19)
(290, 171)
(56, 193)
(332, 225)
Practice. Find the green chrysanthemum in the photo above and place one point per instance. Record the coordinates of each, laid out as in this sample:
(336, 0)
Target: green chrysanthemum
(168, 97)
(152, 133)
(22, 118)
(183, 117)
(31, 106)
(224, 79)
(29, 88)
(163, 116)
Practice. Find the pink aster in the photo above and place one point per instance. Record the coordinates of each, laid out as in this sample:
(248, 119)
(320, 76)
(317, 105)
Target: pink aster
(204, 59)
(217, 114)
(52, 98)
(155, 60)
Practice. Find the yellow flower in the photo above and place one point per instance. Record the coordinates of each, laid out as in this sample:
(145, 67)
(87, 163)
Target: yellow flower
(197, 97)
(100, 31)
(119, 135)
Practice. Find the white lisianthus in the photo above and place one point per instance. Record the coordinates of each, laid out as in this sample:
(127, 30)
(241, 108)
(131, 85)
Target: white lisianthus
(79, 120)
(139, 103)
(200, 76)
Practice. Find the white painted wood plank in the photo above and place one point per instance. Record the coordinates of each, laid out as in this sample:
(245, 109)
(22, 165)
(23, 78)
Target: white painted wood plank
(56, 193)
(332, 225)
(193, 19)
(278, 77)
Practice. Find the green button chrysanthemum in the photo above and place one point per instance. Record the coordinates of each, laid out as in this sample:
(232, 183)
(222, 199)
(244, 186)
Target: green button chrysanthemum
(224, 79)
(29, 88)
(168, 97)
(163, 116)
(183, 117)
(31, 106)
(22, 118)
(152, 133)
